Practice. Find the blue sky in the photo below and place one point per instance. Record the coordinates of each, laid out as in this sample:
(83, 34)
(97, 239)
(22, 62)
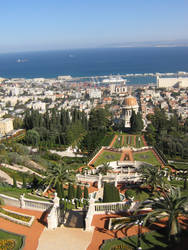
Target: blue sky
(59, 24)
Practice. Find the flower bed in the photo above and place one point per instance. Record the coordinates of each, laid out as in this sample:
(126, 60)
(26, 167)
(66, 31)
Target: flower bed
(7, 244)
(11, 241)
(19, 218)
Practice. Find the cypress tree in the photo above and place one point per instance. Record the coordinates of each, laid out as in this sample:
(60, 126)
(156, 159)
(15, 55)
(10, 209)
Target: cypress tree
(24, 182)
(78, 192)
(62, 191)
(85, 192)
(71, 192)
(58, 190)
(14, 182)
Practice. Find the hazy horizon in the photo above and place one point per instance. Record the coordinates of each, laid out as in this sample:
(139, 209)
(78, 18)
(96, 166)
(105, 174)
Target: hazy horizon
(55, 25)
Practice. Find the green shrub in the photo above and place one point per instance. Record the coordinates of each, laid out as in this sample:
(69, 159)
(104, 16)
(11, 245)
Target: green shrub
(86, 195)
(130, 193)
(111, 193)
(14, 182)
(78, 192)
(2, 202)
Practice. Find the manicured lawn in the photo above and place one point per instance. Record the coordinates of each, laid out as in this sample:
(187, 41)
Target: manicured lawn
(107, 139)
(140, 194)
(18, 175)
(180, 166)
(146, 156)
(129, 140)
(107, 156)
(16, 192)
(118, 142)
(139, 142)
(14, 240)
(152, 240)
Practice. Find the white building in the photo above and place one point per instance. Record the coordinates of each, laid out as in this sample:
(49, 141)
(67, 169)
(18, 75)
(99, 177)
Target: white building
(95, 93)
(6, 125)
(39, 106)
(116, 84)
(130, 104)
(179, 82)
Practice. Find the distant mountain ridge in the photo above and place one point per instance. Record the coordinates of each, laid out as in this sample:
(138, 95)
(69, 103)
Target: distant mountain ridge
(177, 43)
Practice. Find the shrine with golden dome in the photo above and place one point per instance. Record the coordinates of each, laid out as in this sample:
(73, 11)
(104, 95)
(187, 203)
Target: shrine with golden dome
(129, 104)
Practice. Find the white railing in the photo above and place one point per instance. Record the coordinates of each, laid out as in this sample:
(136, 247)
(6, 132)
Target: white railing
(87, 178)
(101, 208)
(10, 201)
(26, 203)
(37, 205)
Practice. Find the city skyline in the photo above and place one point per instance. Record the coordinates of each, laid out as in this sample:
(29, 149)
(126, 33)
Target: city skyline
(32, 26)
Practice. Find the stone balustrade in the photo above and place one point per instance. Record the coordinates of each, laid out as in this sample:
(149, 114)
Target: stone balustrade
(26, 203)
(37, 205)
(103, 208)
(112, 207)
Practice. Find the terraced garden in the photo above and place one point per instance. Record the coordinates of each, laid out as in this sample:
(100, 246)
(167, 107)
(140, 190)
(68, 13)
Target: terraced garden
(129, 141)
(107, 156)
(16, 192)
(150, 240)
(146, 156)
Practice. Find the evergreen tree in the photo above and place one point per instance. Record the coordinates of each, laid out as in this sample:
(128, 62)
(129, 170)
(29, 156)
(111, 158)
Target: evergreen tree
(59, 190)
(14, 182)
(86, 192)
(71, 192)
(24, 182)
(78, 192)
(62, 190)
(136, 122)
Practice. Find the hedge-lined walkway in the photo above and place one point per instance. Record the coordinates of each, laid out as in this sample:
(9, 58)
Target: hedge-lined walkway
(96, 156)
(32, 233)
(113, 141)
(144, 140)
(128, 153)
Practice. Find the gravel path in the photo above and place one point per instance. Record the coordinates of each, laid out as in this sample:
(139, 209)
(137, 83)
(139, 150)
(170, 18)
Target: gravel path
(7, 178)
(21, 169)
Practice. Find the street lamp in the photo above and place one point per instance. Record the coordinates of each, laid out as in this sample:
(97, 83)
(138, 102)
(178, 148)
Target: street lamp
(139, 222)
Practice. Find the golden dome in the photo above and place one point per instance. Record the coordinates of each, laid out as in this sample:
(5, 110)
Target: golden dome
(130, 101)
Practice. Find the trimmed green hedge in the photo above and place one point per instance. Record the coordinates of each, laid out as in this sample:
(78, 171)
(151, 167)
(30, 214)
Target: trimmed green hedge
(111, 193)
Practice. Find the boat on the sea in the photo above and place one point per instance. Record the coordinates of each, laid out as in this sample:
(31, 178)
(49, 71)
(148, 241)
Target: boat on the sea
(19, 60)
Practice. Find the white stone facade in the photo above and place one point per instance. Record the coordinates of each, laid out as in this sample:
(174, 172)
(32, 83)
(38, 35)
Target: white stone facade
(179, 82)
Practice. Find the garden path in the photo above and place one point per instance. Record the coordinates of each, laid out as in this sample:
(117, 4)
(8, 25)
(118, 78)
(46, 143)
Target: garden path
(101, 233)
(32, 233)
(113, 141)
(22, 169)
(126, 152)
(6, 177)
(64, 238)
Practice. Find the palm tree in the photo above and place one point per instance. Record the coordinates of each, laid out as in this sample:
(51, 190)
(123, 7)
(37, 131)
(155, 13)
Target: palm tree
(171, 205)
(58, 174)
(152, 176)
(105, 168)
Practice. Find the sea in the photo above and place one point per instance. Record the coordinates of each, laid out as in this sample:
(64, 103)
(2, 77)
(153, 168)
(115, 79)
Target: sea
(95, 62)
